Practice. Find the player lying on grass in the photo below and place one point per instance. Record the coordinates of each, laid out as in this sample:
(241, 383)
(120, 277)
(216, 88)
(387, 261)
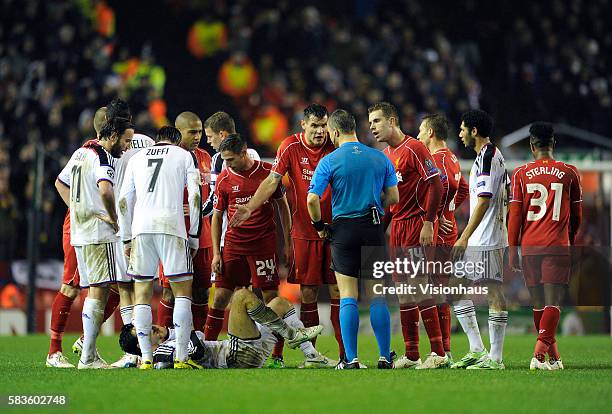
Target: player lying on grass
(253, 330)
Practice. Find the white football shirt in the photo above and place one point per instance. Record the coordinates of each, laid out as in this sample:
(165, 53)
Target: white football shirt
(488, 178)
(88, 166)
(151, 197)
(139, 142)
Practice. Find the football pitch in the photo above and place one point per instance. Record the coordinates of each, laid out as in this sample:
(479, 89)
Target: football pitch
(585, 385)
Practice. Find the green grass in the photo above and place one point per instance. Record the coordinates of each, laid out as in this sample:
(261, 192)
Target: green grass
(585, 385)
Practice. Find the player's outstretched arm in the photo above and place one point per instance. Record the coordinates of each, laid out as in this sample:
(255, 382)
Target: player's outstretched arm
(64, 192)
(263, 193)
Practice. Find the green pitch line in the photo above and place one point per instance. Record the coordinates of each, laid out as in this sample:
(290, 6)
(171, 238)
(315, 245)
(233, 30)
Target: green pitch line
(585, 386)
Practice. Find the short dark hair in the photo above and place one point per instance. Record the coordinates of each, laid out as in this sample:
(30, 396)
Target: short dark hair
(118, 108)
(342, 120)
(439, 124)
(128, 341)
(115, 126)
(480, 120)
(388, 110)
(316, 110)
(233, 143)
(221, 121)
(541, 135)
(168, 133)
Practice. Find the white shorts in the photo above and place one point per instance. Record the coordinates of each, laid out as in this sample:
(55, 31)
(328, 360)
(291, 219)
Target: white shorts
(149, 250)
(484, 265)
(249, 353)
(101, 264)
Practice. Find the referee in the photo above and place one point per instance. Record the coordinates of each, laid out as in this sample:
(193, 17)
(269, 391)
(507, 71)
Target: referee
(363, 183)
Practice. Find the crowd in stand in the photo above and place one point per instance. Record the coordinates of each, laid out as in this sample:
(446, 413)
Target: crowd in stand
(57, 66)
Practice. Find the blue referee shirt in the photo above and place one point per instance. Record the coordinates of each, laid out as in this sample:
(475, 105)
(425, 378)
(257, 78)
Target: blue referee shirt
(357, 174)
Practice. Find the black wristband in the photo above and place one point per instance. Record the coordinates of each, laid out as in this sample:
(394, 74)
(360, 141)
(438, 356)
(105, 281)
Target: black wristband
(318, 225)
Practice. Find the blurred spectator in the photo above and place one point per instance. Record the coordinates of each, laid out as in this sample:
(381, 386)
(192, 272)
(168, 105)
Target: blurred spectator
(11, 297)
(206, 38)
(237, 76)
(269, 127)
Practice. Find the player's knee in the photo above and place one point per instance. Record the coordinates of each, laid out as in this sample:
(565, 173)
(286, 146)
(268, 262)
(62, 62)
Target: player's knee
(69, 291)
(167, 295)
(244, 297)
(280, 306)
(497, 300)
(310, 294)
(334, 292)
(222, 298)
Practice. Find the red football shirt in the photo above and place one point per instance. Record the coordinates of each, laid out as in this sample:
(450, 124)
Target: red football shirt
(413, 165)
(298, 160)
(546, 188)
(257, 235)
(204, 161)
(453, 183)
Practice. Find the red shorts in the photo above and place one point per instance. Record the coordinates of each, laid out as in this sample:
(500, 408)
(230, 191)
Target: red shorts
(542, 269)
(201, 270)
(311, 263)
(239, 270)
(71, 271)
(405, 233)
(404, 242)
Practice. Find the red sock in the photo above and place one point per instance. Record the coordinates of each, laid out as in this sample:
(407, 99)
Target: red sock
(164, 313)
(59, 315)
(335, 320)
(309, 315)
(214, 324)
(409, 316)
(431, 321)
(547, 331)
(199, 311)
(553, 350)
(111, 304)
(444, 315)
(277, 352)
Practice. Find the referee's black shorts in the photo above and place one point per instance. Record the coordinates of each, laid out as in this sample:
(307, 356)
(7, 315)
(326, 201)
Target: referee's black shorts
(356, 244)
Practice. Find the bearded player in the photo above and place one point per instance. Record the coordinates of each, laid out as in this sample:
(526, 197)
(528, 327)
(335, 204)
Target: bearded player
(545, 213)
(412, 228)
(298, 157)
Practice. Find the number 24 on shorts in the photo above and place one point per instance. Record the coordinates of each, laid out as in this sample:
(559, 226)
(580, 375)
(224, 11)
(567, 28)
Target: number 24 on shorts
(266, 268)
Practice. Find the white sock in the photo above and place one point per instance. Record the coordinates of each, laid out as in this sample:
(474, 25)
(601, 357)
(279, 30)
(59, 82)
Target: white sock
(291, 318)
(497, 331)
(466, 315)
(183, 321)
(127, 314)
(93, 312)
(143, 319)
